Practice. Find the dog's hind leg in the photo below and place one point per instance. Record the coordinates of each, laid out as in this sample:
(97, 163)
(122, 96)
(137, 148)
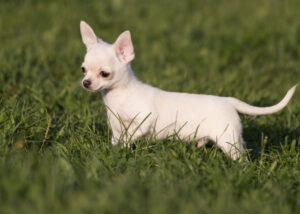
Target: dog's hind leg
(202, 142)
(233, 145)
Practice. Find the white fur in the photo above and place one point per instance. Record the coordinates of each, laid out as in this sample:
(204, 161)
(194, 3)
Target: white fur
(142, 110)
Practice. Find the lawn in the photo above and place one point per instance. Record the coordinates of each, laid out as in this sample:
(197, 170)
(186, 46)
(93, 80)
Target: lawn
(55, 152)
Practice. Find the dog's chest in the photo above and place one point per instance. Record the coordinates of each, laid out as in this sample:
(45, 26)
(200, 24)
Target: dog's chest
(125, 110)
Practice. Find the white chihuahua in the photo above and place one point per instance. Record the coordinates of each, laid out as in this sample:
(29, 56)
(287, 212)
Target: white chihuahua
(142, 110)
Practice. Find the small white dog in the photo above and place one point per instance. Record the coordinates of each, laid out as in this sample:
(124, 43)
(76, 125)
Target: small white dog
(139, 110)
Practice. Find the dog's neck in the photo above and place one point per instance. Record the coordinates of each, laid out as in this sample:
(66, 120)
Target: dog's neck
(128, 81)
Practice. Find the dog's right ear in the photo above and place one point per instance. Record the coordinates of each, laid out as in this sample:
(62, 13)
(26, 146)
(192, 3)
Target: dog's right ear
(124, 48)
(88, 36)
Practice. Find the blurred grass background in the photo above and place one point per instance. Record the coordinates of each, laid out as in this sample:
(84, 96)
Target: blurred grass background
(55, 154)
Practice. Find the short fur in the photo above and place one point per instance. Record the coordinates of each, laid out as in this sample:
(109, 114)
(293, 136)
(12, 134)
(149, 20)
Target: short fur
(142, 110)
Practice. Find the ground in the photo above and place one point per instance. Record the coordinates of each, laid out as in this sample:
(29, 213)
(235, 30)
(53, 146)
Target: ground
(55, 152)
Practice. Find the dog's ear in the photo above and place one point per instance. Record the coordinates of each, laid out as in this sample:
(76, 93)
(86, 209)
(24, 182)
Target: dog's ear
(89, 38)
(124, 48)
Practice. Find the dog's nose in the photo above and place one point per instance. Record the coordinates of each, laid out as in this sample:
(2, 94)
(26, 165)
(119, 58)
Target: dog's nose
(87, 83)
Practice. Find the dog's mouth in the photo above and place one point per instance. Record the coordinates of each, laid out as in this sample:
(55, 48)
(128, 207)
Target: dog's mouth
(89, 89)
(100, 88)
(93, 90)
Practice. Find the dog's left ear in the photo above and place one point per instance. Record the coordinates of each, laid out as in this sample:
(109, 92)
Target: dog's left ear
(124, 48)
(89, 38)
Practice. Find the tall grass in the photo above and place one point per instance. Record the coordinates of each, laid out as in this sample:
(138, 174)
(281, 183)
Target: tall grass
(55, 152)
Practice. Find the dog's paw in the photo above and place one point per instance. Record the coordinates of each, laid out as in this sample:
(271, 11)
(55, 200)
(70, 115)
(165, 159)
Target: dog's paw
(114, 142)
(126, 145)
(201, 142)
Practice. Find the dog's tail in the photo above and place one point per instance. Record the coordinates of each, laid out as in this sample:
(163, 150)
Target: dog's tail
(245, 108)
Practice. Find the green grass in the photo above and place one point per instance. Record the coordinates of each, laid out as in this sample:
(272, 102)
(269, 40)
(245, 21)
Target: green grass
(55, 154)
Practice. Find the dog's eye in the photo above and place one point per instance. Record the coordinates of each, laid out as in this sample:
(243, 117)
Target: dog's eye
(104, 74)
(83, 70)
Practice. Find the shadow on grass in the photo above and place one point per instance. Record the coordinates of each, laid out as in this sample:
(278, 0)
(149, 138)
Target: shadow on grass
(273, 135)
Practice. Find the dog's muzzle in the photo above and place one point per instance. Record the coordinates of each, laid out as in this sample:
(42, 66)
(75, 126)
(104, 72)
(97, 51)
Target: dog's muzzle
(86, 83)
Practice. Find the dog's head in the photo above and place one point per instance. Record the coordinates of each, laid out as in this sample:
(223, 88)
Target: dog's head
(105, 65)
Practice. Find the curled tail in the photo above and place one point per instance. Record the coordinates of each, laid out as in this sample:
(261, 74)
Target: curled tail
(245, 108)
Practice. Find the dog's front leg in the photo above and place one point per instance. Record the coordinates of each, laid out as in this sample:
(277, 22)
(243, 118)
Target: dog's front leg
(114, 141)
(125, 138)
(115, 137)
(130, 133)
